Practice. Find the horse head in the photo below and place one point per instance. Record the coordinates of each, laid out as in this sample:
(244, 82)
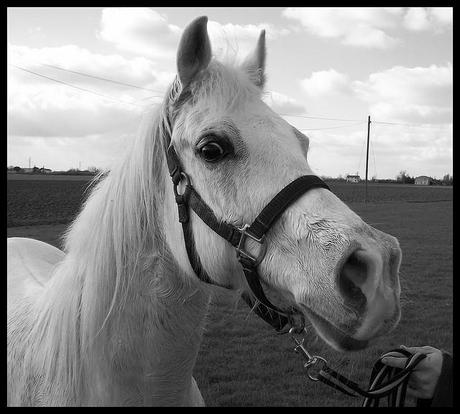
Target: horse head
(320, 256)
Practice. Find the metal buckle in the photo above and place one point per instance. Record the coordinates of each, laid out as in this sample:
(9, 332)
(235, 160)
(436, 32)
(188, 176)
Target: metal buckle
(241, 252)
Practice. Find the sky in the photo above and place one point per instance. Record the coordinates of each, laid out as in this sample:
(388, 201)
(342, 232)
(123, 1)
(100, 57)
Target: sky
(82, 80)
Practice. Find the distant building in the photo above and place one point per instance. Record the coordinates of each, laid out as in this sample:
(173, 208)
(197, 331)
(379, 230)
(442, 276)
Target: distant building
(14, 170)
(423, 180)
(353, 179)
(36, 170)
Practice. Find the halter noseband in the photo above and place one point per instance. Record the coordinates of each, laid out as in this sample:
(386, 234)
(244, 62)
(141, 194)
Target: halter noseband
(236, 236)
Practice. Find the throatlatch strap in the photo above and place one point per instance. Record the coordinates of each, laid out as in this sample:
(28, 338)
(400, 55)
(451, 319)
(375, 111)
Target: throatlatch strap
(277, 320)
(193, 258)
(253, 281)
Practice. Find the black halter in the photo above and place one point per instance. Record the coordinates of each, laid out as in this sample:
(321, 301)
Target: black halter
(237, 237)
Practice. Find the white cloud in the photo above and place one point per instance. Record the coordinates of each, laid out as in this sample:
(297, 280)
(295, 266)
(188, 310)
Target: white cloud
(416, 19)
(41, 107)
(420, 151)
(418, 97)
(140, 30)
(56, 110)
(137, 70)
(443, 15)
(369, 27)
(236, 40)
(428, 18)
(283, 104)
(245, 32)
(146, 32)
(326, 82)
(361, 27)
(419, 94)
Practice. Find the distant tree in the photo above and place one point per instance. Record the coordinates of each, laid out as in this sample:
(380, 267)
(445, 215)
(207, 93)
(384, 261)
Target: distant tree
(94, 170)
(17, 169)
(447, 180)
(404, 178)
(72, 171)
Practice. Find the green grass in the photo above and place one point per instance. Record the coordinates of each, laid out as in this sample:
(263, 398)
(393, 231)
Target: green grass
(243, 362)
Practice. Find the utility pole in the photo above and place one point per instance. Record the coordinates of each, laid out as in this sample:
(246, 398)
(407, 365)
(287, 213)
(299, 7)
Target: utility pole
(367, 154)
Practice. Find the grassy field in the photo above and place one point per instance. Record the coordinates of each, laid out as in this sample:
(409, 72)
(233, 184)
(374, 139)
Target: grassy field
(48, 199)
(242, 362)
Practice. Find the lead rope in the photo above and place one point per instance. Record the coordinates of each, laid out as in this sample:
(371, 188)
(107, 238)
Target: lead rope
(385, 381)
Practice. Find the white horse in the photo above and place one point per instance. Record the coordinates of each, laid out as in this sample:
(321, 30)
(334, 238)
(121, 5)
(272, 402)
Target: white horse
(117, 318)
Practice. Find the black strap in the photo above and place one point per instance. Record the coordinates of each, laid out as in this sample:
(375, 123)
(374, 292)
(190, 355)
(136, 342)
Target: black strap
(223, 229)
(276, 319)
(276, 207)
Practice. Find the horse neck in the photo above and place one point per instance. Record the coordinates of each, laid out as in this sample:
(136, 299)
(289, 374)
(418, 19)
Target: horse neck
(151, 344)
(140, 317)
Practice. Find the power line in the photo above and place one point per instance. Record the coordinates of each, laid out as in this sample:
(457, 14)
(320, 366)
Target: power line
(333, 127)
(103, 79)
(354, 120)
(409, 125)
(325, 119)
(155, 96)
(150, 97)
(76, 87)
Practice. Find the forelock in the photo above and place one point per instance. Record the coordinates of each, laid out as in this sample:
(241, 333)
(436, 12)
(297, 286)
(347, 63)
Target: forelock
(224, 86)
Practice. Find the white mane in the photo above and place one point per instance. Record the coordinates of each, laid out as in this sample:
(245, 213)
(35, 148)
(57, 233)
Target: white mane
(117, 235)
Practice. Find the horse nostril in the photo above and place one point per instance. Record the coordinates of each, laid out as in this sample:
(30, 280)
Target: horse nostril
(352, 276)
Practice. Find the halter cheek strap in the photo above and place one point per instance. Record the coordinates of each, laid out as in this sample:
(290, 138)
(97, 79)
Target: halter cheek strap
(237, 237)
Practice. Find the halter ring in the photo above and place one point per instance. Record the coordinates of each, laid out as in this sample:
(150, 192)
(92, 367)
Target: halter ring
(312, 363)
(187, 182)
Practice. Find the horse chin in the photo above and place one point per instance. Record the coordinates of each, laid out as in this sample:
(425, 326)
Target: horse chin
(334, 336)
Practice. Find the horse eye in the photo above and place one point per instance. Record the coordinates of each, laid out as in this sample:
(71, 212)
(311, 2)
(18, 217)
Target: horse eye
(212, 152)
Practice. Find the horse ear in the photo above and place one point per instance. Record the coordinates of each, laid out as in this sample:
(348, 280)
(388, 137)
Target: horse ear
(254, 64)
(194, 53)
